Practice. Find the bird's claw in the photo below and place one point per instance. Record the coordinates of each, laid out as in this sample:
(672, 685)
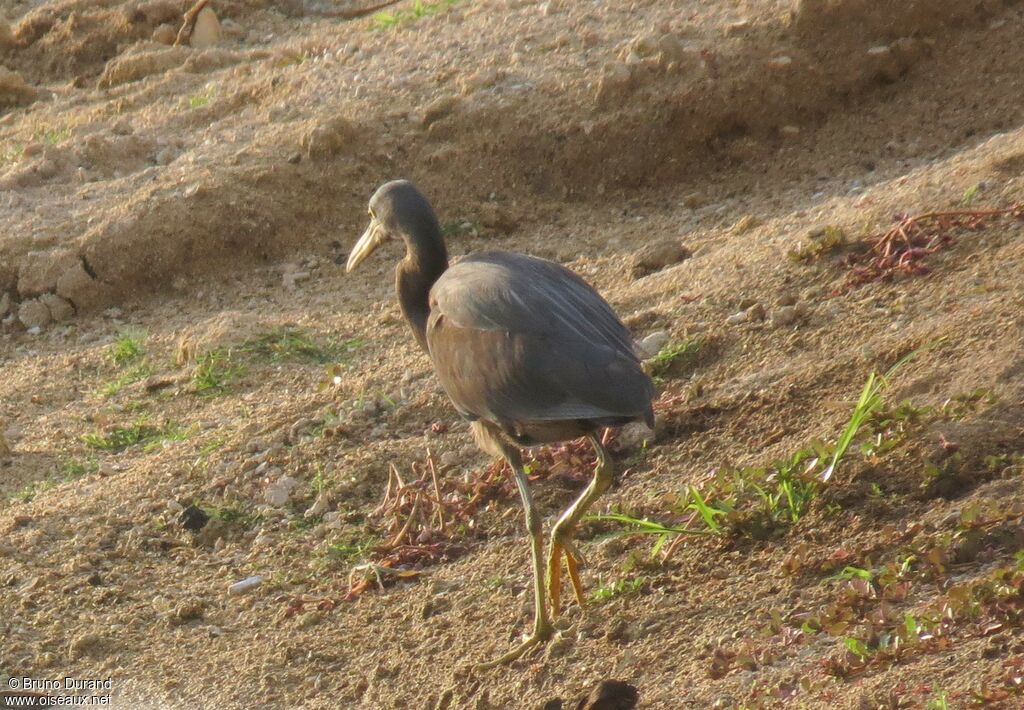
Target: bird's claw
(573, 558)
(538, 637)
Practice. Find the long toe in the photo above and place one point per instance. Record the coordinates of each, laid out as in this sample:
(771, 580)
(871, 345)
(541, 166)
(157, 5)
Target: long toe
(573, 560)
(555, 579)
(574, 576)
(537, 638)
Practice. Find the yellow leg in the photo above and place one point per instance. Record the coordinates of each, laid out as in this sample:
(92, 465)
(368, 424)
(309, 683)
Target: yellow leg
(542, 628)
(561, 534)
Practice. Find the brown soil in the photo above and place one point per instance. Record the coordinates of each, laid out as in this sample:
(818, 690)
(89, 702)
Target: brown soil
(202, 199)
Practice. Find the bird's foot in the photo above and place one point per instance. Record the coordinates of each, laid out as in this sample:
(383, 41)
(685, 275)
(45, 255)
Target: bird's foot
(538, 637)
(573, 558)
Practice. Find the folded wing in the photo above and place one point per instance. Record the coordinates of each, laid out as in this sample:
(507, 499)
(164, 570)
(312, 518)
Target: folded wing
(515, 338)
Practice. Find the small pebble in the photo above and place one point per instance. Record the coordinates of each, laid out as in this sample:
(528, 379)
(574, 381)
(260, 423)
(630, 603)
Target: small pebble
(206, 31)
(319, 507)
(652, 344)
(246, 585)
(193, 518)
(756, 313)
(744, 224)
(634, 434)
(656, 256)
(278, 492)
(784, 315)
(165, 34)
(737, 28)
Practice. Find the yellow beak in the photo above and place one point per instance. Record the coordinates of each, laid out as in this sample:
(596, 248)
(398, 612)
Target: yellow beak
(373, 237)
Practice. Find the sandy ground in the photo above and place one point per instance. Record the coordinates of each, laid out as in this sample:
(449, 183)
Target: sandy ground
(176, 330)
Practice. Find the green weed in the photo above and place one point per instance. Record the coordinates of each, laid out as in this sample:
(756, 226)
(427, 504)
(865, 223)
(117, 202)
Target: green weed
(212, 445)
(11, 153)
(200, 100)
(823, 242)
(682, 353)
(351, 550)
(707, 513)
(215, 372)
(319, 483)
(857, 647)
(849, 572)
(754, 500)
(30, 491)
(137, 373)
(129, 347)
(290, 343)
(140, 432)
(52, 136)
(202, 460)
(619, 588)
(494, 583)
(459, 228)
(869, 402)
(127, 350)
(969, 195)
(70, 470)
(637, 526)
(419, 9)
(76, 468)
(960, 406)
(233, 514)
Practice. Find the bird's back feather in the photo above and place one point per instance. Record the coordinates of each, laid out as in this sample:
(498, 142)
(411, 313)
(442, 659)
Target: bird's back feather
(520, 339)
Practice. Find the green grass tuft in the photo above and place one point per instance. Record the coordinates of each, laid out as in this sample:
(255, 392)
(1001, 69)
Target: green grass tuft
(291, 343)
(140, 432)
(676, 354)
(233, 514)
(70, 470)
(969, 195)
(349, 551)
(619, 588)
(129, 347)
(756, 500)
(215, 372)
(824, 242)
(139, 372)
(419, 9)
(869, 402)
(52, 136)
(200, 100)
(638, 526)
(11, 153)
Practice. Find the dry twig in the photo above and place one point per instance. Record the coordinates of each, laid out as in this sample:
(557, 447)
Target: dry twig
(903, 248)
(427, 519)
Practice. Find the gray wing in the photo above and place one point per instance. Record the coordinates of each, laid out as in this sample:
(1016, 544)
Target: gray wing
(516, 338)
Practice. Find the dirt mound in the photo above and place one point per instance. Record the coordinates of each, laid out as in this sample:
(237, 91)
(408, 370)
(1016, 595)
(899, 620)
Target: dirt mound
(72, 40)
(659, 108)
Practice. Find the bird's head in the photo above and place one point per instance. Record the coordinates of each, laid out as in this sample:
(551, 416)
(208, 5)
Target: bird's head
(398, 211)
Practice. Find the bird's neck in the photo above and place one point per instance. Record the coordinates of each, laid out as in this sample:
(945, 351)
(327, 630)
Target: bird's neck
(415, 276)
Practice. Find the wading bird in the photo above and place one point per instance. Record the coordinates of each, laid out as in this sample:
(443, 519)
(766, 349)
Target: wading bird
(529, 354)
